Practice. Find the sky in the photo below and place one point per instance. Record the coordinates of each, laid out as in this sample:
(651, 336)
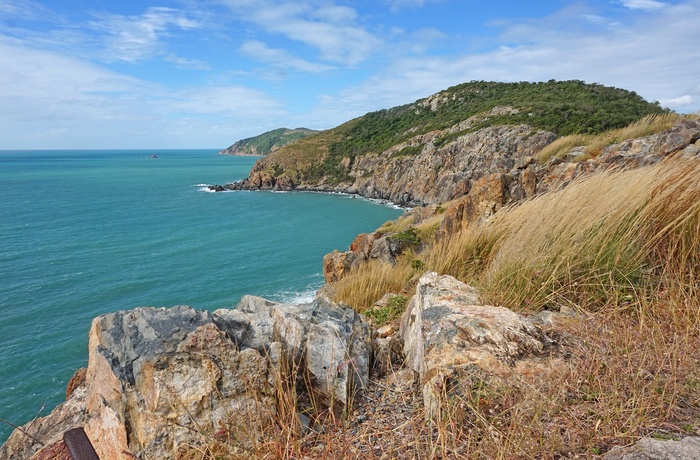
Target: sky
(150, 74)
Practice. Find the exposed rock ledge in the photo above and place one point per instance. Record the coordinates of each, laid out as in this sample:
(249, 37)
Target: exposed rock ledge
(162, 379)
(483, 180)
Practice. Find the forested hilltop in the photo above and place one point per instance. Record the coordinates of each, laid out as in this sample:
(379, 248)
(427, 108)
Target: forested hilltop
(267, 142)
(346, 157)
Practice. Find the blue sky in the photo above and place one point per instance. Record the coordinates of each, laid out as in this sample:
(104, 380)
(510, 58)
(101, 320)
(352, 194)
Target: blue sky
(203, 74)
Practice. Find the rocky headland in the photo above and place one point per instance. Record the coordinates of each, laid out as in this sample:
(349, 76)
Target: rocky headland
(265, 143)
(181, 383)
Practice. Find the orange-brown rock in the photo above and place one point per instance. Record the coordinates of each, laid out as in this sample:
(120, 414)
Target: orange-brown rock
(76, 381)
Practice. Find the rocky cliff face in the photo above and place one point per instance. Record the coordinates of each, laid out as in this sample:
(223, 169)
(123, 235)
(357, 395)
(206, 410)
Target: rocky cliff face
(443, 174)
(432, 175)
(481, 179)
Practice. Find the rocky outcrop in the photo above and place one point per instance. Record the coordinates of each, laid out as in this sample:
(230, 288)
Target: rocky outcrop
(658, 449)
(452, 341)
(448, 172)
(330, 343)
(364, 247)
(435, 174)
(160, 380)
(528, 178)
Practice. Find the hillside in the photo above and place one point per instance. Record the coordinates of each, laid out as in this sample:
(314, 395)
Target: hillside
(549, 309)
(473, 114)
(267, 142)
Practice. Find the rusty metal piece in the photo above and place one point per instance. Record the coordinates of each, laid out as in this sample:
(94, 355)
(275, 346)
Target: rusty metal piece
(79, 446)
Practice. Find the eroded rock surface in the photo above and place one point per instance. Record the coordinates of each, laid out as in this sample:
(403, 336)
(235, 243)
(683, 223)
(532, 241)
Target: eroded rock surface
(159, 380)
(450, 339)
(658, 449)
(330, 342)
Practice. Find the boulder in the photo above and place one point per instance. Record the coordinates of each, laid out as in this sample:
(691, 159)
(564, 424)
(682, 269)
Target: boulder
(658, 449)
(330, 343)
(450, 339)
(162, 380)
(159, 379)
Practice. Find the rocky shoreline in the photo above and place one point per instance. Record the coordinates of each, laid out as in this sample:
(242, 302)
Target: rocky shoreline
(161, 381)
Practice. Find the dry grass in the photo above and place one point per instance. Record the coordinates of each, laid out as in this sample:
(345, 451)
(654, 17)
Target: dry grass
(623, 249)
(594, 144)
(370, 281)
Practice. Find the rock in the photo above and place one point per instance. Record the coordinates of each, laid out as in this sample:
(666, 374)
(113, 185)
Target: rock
(78, 380)
(330, 342)
(159, 379)
(338, 264)
(56, 451)
(443, 174)
(658, 449)
(24, 443)
(450, 338)
(162, 380)
(386, 330)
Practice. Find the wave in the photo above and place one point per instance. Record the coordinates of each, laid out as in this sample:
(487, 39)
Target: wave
(204, 188)
(295, 298)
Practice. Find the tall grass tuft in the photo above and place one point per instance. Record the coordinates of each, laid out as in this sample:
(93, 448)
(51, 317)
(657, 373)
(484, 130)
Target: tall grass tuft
(594, 144)
(370, 281)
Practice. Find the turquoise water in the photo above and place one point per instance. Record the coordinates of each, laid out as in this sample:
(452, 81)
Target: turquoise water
(88, 232)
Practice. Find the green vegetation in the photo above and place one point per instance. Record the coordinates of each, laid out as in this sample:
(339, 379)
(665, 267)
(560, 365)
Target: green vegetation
(268, 142)
(565, 108)
(395, 306)
(407, 239)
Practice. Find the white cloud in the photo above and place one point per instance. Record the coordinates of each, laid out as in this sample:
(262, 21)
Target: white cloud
(677, 102)
(48, 99)
(643, 4)
(234, 102)
(136, 38)
(41, 84)
(650, 56)
(328, 28)
(280, 58)
(335, 14)
(26, 9)
(182, 63)
(400, 4)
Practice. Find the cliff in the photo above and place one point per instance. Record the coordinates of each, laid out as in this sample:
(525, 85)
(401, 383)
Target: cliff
(267, 142)
(473, 179)
(430, 151)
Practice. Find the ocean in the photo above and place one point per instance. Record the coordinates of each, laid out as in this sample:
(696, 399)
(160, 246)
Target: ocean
(84, 233)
